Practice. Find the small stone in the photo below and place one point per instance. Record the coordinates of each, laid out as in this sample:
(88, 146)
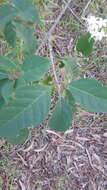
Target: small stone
(105, 134)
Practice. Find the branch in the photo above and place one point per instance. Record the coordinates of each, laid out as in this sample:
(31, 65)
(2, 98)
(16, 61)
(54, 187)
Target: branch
(53, 26)
(86, 7)
(53, 66)
(77, 18)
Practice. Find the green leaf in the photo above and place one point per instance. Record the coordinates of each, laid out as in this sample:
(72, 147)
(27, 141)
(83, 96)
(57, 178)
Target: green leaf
(34, 67)
(61, 65)
(1, 102)
(90, 94)
(20, 137)
(62, 115)
(70, 99)
(105, 60)
(6, 64)
(7, 89)
(29, 107)
(7, 13)
(30, 44)
(85, 44)
(20, 82)
(3, 75)
(2, 82)
(10, 34)
(26, 33)
(27, 11)
(47, 80)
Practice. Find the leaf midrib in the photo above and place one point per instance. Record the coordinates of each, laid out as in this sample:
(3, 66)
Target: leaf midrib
(16, 116)
(88, 93)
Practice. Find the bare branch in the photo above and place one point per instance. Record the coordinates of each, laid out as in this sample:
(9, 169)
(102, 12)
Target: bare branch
(86, 7)
(53, 26)
(53, 65)
(77, 18)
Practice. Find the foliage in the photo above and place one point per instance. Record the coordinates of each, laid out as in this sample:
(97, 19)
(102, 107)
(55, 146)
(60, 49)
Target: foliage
(25, 92)
(63, 113)
(90, 94)
(85, 44)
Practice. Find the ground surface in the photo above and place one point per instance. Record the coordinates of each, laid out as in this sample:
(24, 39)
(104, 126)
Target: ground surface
(76, 159)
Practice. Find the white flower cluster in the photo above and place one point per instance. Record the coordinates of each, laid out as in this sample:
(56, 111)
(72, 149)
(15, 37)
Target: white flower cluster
(96, 27)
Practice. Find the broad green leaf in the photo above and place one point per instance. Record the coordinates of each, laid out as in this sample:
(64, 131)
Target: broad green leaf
(10, 34)
(2, 82)
(34, 67)
(7, 89)
(70, 99)
(20, 137)
(6, 64)
(7, 13)
(26, 33)
(62, 115)
(1, 102)
(30, 44)
(90, 94)
(3, 75)
(105, 60)
(22, 5)
(29, 107)
(20, 82)
(85, 44)
(27, 11)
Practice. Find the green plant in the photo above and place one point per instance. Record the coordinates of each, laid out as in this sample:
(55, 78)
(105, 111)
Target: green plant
(25, 95)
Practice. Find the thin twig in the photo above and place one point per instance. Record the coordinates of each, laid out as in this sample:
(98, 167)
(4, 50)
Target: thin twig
(89, 158)
(22, 159)
(22, 185)
(53, 65)
(54, 133)
(41, 149)
(86, 7)
(29, 148)
(77, 18)
(49, 33)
